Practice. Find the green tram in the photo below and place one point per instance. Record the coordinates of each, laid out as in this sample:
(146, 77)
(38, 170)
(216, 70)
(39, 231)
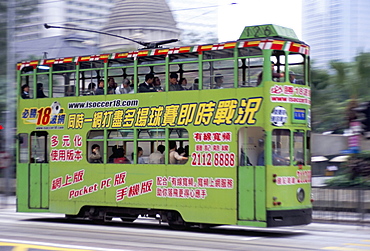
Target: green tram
(232, 146)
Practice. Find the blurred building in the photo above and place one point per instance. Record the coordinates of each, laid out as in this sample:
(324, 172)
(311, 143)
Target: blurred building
(336, 29)
(141, 20)
(197, 20)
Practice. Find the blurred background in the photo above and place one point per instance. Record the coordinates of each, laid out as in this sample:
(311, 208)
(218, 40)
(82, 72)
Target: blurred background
(337, 31)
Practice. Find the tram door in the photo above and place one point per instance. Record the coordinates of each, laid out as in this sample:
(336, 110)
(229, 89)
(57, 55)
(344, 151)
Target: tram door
(39, 171)
(251, 176)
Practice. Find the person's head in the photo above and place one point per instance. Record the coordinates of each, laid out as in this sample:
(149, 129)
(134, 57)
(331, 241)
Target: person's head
(95, 147)
(139, 151)
(180, 150)
(183, 82)
(25, 88)
(161, 148)
(101, 83)
(172, 145)
(111, 82)
(40, 86)
(157, 81)
(173, 78)
(126, 82)
(291, 76)
(149, 78)
(91, 86)
(219, 79)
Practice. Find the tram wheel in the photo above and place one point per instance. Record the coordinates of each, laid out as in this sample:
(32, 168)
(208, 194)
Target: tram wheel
(129, 218)
(176, 222)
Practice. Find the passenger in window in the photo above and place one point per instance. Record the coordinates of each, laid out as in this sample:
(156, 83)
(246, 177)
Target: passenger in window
(275, 75)
(157, 84)
(140, 159)
(91, 89)
(184, 152)
(195, 85)
(100, 89)
(183, 82)
(120, 157)
(124, 88)
(40, 91)
(112, 85)
(95, 156)
(25, 94)
(174, 86)
(175, 157)
(157, 157)
(293, 80)
(219, 79)
(148, 86)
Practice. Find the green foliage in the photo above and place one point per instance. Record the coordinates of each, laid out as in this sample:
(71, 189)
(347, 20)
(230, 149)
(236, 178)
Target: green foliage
(345, 181)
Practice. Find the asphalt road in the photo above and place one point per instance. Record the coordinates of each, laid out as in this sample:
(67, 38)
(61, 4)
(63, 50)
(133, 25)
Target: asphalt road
(34, 232)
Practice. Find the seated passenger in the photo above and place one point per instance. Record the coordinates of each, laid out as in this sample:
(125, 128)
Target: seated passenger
(25, 93)
(157, 157)
(100, 89)
(95, 156)
(40, 91)
(275, 75)
(140, 159)
(157, 84)
(183, 82)
(219, 79)
(112, 85)
(195, 85)
(91, 89)
(174, 155)
(174, 86)
(293, 80)
(148, 86)
(120, 157)
(124, 88)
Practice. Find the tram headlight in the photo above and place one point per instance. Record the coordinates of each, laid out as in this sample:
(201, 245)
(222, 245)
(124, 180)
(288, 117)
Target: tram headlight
(300, 194)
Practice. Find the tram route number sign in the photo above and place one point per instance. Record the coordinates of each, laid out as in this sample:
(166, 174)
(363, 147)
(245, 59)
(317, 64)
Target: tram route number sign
(269, 30)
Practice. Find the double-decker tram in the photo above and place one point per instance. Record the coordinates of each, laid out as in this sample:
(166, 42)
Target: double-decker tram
(123, 134)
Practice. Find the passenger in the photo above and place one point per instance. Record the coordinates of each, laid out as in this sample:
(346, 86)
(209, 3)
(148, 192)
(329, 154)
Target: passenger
(113, 155)
(112, 85)
(40, 91)
(195, 85)
(120, 157)
(219, 79)
(100, 89)
(157, 84)
(277, 159)
(148, 86)
(157, 157)
(174, 86)
(174, 155)
(25, 94)
(293, 80)
(184, 152)
(95, 156)
(91, 89)
(124, 88)
(183, 82)
(140, 159)
(274, 74)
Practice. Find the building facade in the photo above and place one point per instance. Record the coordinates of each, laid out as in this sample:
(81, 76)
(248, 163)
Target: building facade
(336, 30)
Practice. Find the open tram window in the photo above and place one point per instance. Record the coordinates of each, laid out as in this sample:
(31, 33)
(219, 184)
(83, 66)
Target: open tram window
(148, 142)
(251, 146)
(95, 146)
(39, 147)
(280, 147)
(120, 143)
(298, 148)
(64, 84)
(26, 87)
(250, 65)
(219, 74)
(187, 75)
(23, 148)
(296, 68)
(89, 81)
(178, 146)
(42, 86)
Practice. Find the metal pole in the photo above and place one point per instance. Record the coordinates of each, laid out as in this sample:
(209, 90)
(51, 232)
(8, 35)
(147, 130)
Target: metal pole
(10, 87)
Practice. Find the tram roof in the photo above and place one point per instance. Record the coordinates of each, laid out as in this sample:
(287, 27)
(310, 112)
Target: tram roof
(268, 31)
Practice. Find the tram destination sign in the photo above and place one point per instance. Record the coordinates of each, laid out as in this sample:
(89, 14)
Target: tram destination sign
(266, 31)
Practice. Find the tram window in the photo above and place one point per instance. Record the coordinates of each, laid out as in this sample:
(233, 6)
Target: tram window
(217, 54)
(27, 70)
(64, 84)
(95, 134)
(179, 133)
(220, 75)
(64, 67)
(117, 152)
(298, 148)
(39, 147)
(280, 147)
(95, 152)
(42, 86)
(249, 52)
(251, 146)
(23, 148)
(91, 64)
(249, 70)
(296, 69)
(88, 82)
(121, 62)
(178, 152)
(26, 84)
